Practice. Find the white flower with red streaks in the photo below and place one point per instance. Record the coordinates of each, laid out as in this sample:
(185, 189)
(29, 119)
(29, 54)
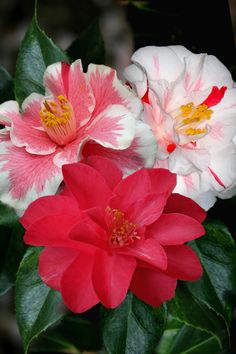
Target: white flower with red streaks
(190, 104)
(51, 130)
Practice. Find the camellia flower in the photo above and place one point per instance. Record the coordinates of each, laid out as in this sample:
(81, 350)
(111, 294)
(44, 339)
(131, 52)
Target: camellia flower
(104, 235)
(190, 103)
(51, 130)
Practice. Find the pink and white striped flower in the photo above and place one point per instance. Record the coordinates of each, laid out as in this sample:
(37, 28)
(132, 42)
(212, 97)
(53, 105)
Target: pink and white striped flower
(190, 104)
(51, 130)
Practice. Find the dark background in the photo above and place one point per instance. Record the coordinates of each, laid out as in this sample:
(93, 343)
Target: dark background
(203, 26)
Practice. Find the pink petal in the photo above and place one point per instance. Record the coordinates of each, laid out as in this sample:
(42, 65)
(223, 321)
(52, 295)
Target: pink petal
(141, 152)
(148, 251)
(55, 82)
(145, 181)
(80, 93)
(153, 287)
(8, 110)
(26, 177)
(111, 277)
(183, 263)
(49, 205)
(27, 130)
(108, 90)
(175, 229)
(76, 285)
(87, 185)
(106, 168)
(114, 127)
(52, 264)
(177, 203)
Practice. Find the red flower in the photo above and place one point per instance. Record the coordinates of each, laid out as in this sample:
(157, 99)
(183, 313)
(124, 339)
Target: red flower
(104, 235)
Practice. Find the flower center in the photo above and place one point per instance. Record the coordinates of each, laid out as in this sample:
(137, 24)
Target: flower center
(191, 121)
(122, 231)
(58, 120)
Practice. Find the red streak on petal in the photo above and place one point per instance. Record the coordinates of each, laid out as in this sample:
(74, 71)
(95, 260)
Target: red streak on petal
(171, 147)
(216, 178)
(145, 98)
(128, 84)
(194, 143)
(65, 76)
(215, 96)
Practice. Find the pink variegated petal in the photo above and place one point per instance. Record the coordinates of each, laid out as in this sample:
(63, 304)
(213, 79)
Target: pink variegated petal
(158, 63)
(4, 135)
(137, 77)
(114, 127)
(215, 73)
(8, 110)
(25, 177)
(80, 93)
(141, 152)
(69, 153)
(109, 90)
(27, 130)
(56, 79)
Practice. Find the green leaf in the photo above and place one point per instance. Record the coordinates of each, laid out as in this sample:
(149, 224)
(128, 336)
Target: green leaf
(6, 85)
(37, 306)
(36, 53)
(89, 47)
(12, 249)
(217, 287)
(209, 303)
(179, 338)
(8, 216)
(133, 327)
(53, 343)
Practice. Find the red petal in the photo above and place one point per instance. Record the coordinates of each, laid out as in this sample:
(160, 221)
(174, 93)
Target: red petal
(149, 251)
(215, 96)
(76, 285)
(112, 275)
(52, 264)
(177, 203)
(111, 173)
(146, 181)
(87, 185)
(175, 229)
(52, 231)
(183, 263)
(51, 205)
(89, 232)
(153, 287)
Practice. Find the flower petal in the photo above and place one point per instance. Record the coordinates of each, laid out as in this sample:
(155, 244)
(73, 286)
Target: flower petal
(111, 277)
(175, 229)
(177, 203)
(26, 177)
(87, 185)
(148, 251)
(54, 81)
(114, 127)
(8, 110)
(52, 264)
(106, 168)
(47, 206)
(76, 285)
(153, 287)
(183, 263)
(27, 130)
(141, 152)
(109, 90)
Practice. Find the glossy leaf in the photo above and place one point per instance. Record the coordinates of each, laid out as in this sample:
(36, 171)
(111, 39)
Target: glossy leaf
(8, 216)
(36, 53)
(37, 306)
(179, 338)
(132, 328)
(12, 249)
(6, 86)
(89, 46)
